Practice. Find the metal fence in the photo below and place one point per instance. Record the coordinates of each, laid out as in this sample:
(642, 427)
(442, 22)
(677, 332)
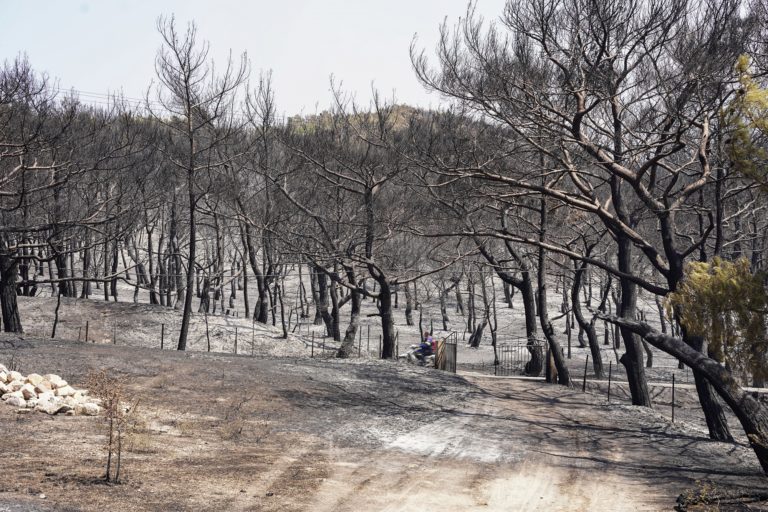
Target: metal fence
(447, 349)
(511, 358)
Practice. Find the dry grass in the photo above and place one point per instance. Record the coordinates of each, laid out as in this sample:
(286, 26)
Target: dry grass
(243, 418)
(139, 438)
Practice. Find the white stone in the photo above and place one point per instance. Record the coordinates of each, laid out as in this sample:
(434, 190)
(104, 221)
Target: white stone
(16, 401)
(31, 403)
(15, 376)
(65, 391)
(3, 388)
(46, 396)
(3, 368)
(53, 408)
(28, 391)
(87, 409)
(43, 386)
(55, 380)
(15, 385)
(3, 376)
(34, 379)
(81, 394)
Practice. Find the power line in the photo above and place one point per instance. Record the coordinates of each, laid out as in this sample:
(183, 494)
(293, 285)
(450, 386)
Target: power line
(146, 105)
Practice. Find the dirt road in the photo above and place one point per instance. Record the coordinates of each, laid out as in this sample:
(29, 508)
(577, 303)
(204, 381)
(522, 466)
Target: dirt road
(275, 434)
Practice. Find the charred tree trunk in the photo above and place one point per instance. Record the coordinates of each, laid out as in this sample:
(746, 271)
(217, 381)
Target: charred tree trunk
(662, 316)
(246, 305)
(205, 296)
(303, 302)
(714, 415)
(335, 306)
(283, 324)
(632, 359)
(153, 296)
(563, 375)
(315, 298)
(8, 301)
(115, 263)
(85, 291)
(322, 304)
(459, 298)
(356, 299)
(387, 319)
(190, 283)
(178, 278)
(508, 295)
(470, 305)
(408, 305)
(477, 334)
(261, 309)
(587, 327)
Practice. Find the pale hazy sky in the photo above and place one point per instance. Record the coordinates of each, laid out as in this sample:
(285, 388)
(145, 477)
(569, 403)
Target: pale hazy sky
(110, 45)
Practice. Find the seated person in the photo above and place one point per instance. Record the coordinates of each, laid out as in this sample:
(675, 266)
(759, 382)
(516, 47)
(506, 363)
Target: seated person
(424, 350)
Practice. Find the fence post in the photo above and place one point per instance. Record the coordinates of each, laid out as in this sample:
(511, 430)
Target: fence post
(86, 331)
(584, 382)
(673, 398)
(369, 340)
(610, 368)
(162, 336)
(235, 340)
(379, 346)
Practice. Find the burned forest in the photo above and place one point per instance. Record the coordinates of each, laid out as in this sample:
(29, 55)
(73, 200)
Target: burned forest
(561, 263)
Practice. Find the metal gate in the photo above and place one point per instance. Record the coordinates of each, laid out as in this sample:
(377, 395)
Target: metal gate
(512, 357)
(445, 359)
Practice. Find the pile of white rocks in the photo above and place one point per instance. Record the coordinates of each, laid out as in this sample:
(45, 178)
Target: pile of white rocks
(45, 393)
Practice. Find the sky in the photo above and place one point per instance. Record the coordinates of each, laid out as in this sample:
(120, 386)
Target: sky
(109, 46)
